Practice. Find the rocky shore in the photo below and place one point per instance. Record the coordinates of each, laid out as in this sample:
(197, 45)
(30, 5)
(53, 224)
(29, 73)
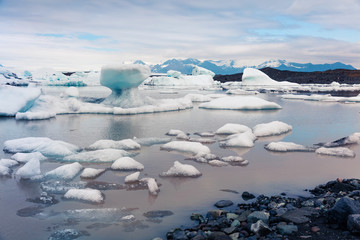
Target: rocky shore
(332, 212)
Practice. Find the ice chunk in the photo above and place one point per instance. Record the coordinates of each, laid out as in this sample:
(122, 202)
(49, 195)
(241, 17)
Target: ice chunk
(72, 92)
(202, 140)
(174, 74)
(25, 157)
(287, 147)
(198, 97)
(18, 99)
(88, 195)
(271, 128)
(203, 157)
(152, 185)
(91, 173)
(240, 103)
(181, 170)
(187, 147)
(218, 163)
(232, 128)
(97, 215)
(336, 151)
(127, 164)
(233, 159)
(126, 144)
(60, 187)
(8, 162)
(245, 139)
(46, 146)
(202, 71)
(103, 155)
(352, 139)
(182, 136)
(122, 77)
(65, 172)
(38, 115)
(198, 80)
(30, 169)
(151, 141)
(205, 134)
(4, 171)
(174, 132)
(252, 76)
(132, 177)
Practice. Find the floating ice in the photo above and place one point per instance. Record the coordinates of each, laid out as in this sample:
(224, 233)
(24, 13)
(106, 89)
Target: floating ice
(198, 97)
(5, 171)
(8, 162)
(127, 164)
(46, 146)
(72, 92)
(287, 147)
(336, 151)
(181, 170)
(18, 99)
(122, 77)
(187, 147)
(103, 155)
(65, 172)
(202, 140)
(174, 74)
(232, 128)
(352, 139)
(183, 80)
(88, 195)
(233, 159)
(29, 115)
(91, 173)
(60, 187)
(126, 144)
(271, 128)
(203, 157)
(245, 139)
(218, 163)
(202, 71)
(151, 141)
(174, 132)
(252, 76)
(97, 214)
(241, 92)
(132, 177)
(205, 134)
(152, 185)
(240, 103)
(30, 169)
(25, 157)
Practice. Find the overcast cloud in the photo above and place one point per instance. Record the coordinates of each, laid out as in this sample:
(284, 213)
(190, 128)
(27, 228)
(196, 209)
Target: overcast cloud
(86, 34)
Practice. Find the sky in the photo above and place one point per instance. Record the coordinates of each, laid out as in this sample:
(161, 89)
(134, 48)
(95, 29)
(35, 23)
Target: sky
(87, 34)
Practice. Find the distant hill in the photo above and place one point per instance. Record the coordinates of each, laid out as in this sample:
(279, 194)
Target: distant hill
(233, 66)
(320, 77)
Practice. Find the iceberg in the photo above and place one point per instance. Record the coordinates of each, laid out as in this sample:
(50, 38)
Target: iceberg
(201, 71)
(151, 141)
(91, 172)
(45, 146)
(287, 147)
(5, 171)
(174, 132)
(271, 129)
(18, 99)
(132, 177)
(127, 164)
(103, 155)
(240, 103)
(245, 139)
(65, 172)
(232, 128)
(152, 185)
(252, 76)
(30, 169)
(233, 159)
(72, 92)
(126, 144)
(336, 151)
(181, 170)
(87, 195)
(8, 162)
(173, 73)
(218, 163)
(25, 157)
(193, 148)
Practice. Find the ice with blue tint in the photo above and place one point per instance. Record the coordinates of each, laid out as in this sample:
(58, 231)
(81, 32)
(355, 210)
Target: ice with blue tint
(202, 71)
(103, 155)
(29, 170)
(125, 144)
(252, 76)
(65, 172)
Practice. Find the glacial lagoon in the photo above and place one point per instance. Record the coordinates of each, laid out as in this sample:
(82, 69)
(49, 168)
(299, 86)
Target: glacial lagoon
(267, 172)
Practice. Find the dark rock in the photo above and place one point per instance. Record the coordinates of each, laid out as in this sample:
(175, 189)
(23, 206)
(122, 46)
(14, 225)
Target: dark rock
(223, 203)
(158, 214)
(342, 209)
(287, 229)
(353, 223)
(219, 236)
(197, 217)
(214, 214)
(177, 234)
(260, 228)
(258, 215)
(247, 196)
(243, 216)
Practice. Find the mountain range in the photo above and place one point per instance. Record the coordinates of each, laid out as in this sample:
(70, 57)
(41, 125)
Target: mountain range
(232, 66)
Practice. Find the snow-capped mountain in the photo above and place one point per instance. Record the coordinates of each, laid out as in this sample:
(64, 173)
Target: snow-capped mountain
(232, 66)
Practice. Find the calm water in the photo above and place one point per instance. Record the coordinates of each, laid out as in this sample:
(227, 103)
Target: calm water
(266, 173)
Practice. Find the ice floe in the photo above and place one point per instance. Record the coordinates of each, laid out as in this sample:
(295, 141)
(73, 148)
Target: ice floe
(60, 187)
(232, 128)
(245, 139)
(181, 81)
(181, 170)
(125, 144)
(351, 139)
(186, 147)
(287, 147)
(87, 195)
(72, 92)
(174, 132)
(5, 171)
(151, 141)
(240, 103)
(30, 169)
(198, 97)
(18, 99)
(152, 185)
(8, 162)
(132, 177)
(65, 172)
(252, 76)
(336, 151)
(25, 157)
(103, 155)
(271, 129)
(127, 164)
(218, 163)
(91, 173)
(45, 146)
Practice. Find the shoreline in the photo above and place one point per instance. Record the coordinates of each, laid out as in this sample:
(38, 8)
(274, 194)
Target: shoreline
(332, 212)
